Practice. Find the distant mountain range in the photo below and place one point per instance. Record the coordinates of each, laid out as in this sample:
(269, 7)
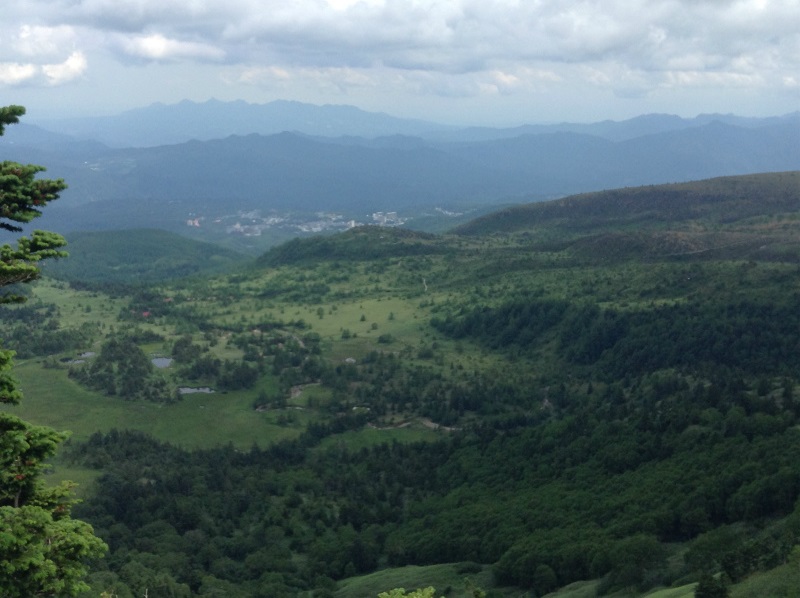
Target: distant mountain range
(381, 163)
(161, 124)
(640, 126)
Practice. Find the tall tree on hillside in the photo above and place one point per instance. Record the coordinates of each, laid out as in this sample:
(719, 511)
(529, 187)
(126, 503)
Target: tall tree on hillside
(711, 587)
(42, 549)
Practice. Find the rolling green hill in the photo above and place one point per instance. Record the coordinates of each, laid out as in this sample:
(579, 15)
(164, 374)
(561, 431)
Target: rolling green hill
(361, 243)
(598, 394)
(139, 256)
(709, 202)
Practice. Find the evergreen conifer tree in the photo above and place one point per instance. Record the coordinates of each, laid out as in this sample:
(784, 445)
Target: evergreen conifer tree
(42, 549)
(711, 587)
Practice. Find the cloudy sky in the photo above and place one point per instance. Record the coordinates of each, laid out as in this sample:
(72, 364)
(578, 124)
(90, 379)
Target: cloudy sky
(457, 61)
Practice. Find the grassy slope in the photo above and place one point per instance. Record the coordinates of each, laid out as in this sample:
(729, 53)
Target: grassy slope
(440, 577)
(781, 582)
(54, 400)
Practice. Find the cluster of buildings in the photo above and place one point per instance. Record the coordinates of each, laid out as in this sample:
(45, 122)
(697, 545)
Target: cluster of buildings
(253, 223)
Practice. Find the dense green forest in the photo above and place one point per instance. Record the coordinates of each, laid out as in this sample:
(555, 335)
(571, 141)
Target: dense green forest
(600, 390)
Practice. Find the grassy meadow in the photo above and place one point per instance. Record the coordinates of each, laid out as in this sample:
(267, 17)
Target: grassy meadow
(349, 328)
(197, 421)
(449, 580)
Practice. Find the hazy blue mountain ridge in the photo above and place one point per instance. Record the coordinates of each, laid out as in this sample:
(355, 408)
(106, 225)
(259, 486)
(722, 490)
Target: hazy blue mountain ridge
(646, 124)
(290, 170)
(358, 174)
(160, 124)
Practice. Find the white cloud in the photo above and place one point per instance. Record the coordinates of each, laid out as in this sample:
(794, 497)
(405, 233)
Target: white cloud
(39, 41)
(13, 73)
(72, 68)
(158, 47)
(708, 79)
(346, 4)
(321, 79)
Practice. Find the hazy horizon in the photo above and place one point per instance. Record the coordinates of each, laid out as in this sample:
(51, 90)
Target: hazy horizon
(34, 119)
(458, 62)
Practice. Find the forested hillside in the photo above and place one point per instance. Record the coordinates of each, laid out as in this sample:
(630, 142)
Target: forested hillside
(601, 389)
(140, 256)
(711, 203)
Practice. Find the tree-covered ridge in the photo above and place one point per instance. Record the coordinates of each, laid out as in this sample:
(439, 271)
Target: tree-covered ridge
(754, 338)
(719, 201)
(135, 257)
(361, 243)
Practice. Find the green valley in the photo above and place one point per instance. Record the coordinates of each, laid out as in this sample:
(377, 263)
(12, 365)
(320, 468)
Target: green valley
(597, 395)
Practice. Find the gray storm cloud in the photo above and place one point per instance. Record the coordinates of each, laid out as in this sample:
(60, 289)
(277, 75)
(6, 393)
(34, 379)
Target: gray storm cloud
(458, 35)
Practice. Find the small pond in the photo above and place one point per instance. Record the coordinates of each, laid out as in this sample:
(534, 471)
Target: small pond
(188, 390)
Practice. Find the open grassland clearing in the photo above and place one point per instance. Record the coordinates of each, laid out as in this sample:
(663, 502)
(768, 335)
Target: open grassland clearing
(83, 478)
(448, 579)
(686, 591)
(197, 421)
(78, 307)
(781, 582)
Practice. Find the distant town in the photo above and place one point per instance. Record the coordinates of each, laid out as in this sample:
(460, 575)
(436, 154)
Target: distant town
(254, 223)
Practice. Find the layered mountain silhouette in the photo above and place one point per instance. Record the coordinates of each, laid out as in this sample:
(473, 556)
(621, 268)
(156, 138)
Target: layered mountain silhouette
(404, 165)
